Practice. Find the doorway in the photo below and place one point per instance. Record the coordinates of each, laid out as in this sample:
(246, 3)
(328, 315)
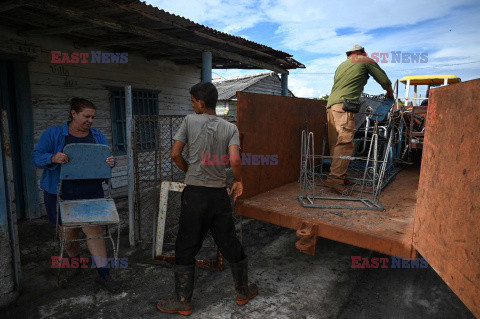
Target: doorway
(17, 131)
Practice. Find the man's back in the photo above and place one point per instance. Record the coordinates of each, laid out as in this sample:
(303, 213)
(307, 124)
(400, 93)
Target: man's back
(208, 138)
(351, 77)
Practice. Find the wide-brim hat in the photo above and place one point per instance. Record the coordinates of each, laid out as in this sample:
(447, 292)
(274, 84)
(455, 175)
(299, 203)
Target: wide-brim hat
(355, 47)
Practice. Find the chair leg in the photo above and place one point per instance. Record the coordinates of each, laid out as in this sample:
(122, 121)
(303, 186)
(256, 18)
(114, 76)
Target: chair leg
(118, 246)
(109, 235)
(62, 246)
(115, 248)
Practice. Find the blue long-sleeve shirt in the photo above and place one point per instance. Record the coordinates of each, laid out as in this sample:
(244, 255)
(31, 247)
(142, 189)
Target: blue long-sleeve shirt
(50, 143)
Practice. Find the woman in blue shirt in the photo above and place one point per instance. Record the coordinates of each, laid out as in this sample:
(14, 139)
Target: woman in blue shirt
(48, 155)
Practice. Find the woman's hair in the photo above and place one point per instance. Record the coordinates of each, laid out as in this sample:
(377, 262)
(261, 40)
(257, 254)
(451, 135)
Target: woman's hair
(78, 104)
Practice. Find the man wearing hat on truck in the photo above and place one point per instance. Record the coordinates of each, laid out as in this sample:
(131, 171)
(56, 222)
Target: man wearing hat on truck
(350, 78)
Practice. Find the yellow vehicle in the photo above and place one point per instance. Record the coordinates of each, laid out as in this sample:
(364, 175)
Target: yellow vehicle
(417, 80)
(415, 108)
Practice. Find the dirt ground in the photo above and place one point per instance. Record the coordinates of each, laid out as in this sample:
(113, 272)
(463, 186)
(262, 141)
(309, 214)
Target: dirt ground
(291, 284)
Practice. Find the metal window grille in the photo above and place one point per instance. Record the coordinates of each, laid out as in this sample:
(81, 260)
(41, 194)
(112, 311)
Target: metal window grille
(144, 102)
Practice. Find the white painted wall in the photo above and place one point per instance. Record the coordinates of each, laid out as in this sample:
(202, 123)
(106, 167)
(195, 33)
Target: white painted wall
(53, 85)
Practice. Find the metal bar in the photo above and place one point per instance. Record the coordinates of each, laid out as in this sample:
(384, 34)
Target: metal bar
(137, 203)
(171, 145)
(130, 169)
(407, 92)
(415, 95)
(371, 206)
(158, 176)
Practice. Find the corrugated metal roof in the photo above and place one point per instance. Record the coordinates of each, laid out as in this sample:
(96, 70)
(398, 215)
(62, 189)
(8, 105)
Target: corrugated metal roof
(199, 27)
(135, 26)
(227, 88)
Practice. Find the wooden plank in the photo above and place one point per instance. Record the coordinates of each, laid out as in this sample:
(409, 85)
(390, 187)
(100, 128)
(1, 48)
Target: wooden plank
(10, 5)
(57, 30)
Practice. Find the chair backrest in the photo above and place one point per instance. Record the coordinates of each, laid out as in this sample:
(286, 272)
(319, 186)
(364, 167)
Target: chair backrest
(86, 161)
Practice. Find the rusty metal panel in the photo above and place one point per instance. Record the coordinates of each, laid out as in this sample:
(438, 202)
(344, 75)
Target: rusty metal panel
(272, 125)
(447, 217)
(389, 232)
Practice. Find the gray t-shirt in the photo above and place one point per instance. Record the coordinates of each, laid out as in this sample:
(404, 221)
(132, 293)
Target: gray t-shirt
(208, 138)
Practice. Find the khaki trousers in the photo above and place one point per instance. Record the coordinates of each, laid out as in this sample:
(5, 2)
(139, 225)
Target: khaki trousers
(341, 130)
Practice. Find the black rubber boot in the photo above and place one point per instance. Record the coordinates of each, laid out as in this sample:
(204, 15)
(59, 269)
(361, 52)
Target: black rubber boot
(108, 283)
(244, 291)
(182, 303)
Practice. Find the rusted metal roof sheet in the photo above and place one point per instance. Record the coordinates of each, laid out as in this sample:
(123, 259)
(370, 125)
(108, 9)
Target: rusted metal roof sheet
(227, 88)
(447, 218)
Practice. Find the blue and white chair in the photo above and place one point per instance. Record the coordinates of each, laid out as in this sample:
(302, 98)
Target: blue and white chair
(87, 161)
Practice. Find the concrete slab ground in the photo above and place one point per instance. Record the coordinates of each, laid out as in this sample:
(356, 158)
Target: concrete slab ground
(291, 284)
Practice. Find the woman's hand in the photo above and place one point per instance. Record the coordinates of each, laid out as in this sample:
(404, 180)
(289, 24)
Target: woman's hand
(111, 161)
(59, 158)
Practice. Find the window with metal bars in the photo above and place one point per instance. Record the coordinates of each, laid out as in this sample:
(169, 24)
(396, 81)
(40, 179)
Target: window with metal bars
(144, 102)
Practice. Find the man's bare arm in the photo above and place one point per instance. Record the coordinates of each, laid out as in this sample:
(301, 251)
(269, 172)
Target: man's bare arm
(177, 157)
(235, 163)
(389, 94)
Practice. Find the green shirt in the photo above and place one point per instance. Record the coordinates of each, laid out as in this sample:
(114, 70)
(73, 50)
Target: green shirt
(352, 76)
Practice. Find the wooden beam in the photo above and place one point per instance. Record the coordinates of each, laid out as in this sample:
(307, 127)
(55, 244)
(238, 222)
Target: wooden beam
(58, 30)
(118, 41)
(10, 5)
(13, 19)
(88, 16)
(136, 7)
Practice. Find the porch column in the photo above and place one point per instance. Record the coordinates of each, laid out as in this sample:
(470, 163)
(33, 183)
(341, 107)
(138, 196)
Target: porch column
(284, 84)
(206, 66)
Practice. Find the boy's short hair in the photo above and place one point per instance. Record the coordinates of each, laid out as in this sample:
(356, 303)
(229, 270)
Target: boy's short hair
(206, 92)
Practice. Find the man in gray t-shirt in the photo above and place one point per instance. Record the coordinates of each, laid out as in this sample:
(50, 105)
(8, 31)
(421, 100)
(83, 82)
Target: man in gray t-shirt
(208, 139)
(212, 144)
